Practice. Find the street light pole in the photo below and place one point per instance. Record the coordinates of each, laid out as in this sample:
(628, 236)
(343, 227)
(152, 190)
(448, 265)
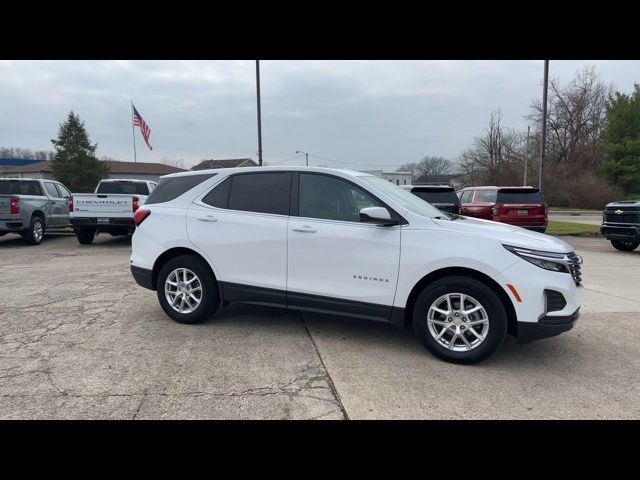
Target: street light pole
(259, 113)
(526, 157)
(544, 122)
(306, 155)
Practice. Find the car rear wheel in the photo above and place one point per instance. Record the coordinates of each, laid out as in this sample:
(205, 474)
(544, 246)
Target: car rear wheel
(85, 235)
(187, 290)
(35, 232)
(460, 320)
(625, 246)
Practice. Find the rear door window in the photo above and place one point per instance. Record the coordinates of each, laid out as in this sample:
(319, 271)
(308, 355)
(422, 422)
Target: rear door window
(219, 196)
(171, 188)
(261, 192)
(64, 193)
(520, 196)
(51, 189)
(486, 196)
(466, 196)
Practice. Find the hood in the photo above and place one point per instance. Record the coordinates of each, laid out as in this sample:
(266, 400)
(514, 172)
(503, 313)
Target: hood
(506, 234)
(624, 203)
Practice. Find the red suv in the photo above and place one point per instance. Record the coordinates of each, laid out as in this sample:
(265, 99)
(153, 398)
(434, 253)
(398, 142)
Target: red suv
(519, 206)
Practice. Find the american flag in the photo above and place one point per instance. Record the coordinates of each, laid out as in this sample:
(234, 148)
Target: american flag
(144, 128)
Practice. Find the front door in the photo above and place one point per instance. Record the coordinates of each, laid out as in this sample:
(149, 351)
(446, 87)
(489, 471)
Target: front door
(335, 262)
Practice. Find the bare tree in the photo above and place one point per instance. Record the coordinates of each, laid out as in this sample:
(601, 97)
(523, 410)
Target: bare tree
(494, 158)
(576, 118)
(427, 166)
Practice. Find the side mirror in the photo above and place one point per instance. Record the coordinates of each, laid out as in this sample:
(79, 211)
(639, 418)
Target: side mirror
(377, 215)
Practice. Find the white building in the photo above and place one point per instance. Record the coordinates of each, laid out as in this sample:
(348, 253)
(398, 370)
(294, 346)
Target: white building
(399, 178)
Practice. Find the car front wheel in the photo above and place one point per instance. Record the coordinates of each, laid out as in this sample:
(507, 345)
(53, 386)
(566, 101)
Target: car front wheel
(187, 290)
(625, 246)
(460, 320)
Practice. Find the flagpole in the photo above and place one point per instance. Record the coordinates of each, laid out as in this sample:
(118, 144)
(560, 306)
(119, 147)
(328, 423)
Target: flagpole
(133, 131)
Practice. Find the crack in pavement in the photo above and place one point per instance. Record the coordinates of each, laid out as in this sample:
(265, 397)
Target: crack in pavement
(332, 386)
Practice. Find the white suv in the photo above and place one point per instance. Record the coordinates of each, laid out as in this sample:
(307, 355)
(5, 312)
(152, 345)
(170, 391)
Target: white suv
(350, 244)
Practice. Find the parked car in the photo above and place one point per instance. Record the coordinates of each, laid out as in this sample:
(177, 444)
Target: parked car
(520, 206)
(29, 207)
(621, 224)
(355, 245)
(443, 197)
(109, 209)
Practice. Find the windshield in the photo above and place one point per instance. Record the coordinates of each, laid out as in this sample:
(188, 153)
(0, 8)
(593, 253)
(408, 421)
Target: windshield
(406, 199)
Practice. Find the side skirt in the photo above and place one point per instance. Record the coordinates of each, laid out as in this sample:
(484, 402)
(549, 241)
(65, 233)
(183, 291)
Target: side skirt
(237, 293)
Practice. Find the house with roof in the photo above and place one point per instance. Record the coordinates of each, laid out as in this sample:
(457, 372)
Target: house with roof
(136, 170)
(229, 163)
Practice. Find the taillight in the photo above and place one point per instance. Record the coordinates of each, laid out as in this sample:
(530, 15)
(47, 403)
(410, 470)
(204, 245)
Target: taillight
(15, 205)
(494, 210)
(70, 203)
(140, 215)
(136, 203)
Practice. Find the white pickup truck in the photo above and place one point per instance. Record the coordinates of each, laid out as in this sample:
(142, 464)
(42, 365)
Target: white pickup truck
(109, 209)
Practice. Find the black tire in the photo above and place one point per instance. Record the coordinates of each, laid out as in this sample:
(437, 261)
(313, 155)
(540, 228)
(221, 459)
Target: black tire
(34, 234)
(210, 299)
(625, 246)
(492, 304)
(85, 235)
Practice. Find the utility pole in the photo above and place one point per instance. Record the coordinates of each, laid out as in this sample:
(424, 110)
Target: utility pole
(526, 157)
(306, 155)
(543, 142)
(259, 114)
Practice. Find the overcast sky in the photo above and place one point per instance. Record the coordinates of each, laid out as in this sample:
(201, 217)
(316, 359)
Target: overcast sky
(351, 114)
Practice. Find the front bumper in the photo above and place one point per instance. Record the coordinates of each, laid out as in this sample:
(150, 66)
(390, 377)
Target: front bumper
(620, 232)
(546, 327)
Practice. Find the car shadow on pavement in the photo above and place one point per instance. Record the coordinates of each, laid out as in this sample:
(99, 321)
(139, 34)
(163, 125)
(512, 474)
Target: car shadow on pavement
(363, 336)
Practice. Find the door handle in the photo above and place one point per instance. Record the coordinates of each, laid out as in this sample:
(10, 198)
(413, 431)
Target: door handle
(305, 229)
(208, 218)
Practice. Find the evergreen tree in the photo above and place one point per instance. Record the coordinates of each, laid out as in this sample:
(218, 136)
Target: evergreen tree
(75, 163)
(622, 140)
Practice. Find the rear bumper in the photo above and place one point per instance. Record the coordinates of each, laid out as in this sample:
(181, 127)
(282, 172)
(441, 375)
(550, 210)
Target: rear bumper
(142, 276)
(546, 327)
(620, 232)
(113, 222)
(11, 225)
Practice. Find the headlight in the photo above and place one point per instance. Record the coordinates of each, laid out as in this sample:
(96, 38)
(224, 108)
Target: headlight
(556, 262)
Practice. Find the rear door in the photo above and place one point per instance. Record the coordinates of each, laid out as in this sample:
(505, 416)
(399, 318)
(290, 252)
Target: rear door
(241, 225)
(483, 202)
(59, 210)
(466, 199)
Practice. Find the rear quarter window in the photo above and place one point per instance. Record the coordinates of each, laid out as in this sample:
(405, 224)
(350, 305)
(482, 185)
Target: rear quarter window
(171, 188)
